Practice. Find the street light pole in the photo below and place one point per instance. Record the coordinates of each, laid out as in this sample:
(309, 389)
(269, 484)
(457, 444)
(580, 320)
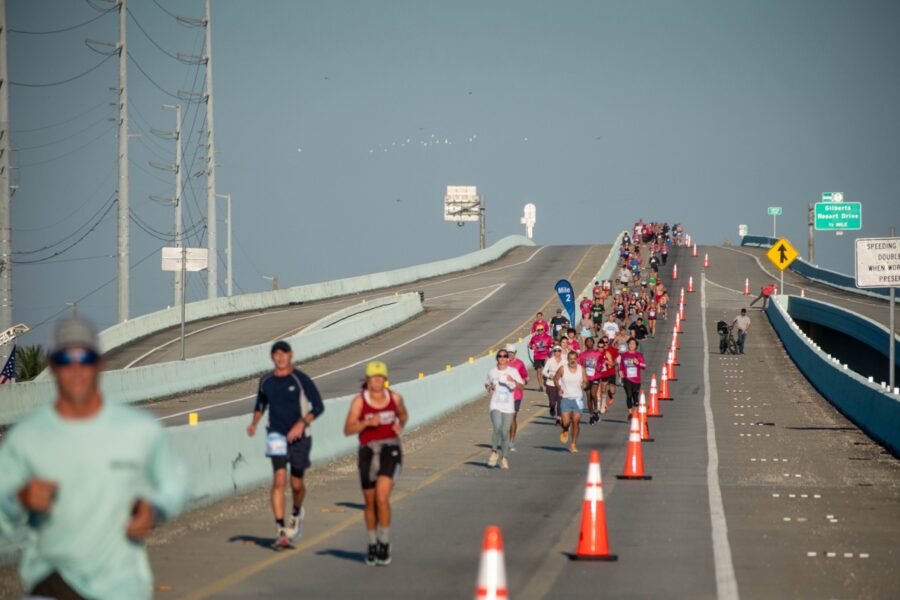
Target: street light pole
(229, 280)
(892, 357)
(481, 222)
(124, 216)
(212, 270)
(176, 135)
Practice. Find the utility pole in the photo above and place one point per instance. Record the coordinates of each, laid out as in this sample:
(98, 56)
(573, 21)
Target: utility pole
(179, 227)
(212, 269)
(810, 243)
(229, 278)
(892, 348)
(123, 242)
(6, 300)
(481, 224)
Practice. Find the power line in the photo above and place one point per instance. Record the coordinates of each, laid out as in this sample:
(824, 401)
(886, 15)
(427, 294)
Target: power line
(71, 214)
(70, 28)
(67, 121)
(149, 37)
(70, 152)
(73, 244)
(70, 79)
(110, 200)
(79, 259)
(63, 139)
(165, 10)
(159, 87)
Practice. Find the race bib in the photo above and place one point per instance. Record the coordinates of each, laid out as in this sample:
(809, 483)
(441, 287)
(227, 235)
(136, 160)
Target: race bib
(276, 444)
(631, 372)
(590, 371)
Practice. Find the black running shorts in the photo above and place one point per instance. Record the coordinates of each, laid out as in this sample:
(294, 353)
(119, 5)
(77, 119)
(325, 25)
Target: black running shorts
(390, 459)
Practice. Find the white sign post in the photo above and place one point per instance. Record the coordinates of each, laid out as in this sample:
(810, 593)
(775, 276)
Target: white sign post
(529, 219)
(184, 259)
(462, 204)
(878, 265)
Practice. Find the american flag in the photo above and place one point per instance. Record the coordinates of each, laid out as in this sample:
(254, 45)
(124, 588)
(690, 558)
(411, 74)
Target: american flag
(8, 375)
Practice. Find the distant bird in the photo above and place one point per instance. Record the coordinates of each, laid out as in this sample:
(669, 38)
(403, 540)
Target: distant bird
(398, 200)
(599, 137)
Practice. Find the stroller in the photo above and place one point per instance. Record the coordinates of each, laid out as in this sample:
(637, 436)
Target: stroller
(727, 343)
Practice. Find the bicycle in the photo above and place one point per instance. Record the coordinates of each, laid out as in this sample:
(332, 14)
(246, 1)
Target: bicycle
(727, 341)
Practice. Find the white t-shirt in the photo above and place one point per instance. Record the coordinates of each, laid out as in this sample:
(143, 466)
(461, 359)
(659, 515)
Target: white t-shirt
(743, 322)
(502, 389)
(550, 368)
(610, 329)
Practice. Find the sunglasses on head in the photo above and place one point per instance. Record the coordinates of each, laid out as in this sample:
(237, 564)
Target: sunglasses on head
(74, 356)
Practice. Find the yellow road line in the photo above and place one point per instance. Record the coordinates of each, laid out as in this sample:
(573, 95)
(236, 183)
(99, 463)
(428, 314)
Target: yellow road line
(222, 584)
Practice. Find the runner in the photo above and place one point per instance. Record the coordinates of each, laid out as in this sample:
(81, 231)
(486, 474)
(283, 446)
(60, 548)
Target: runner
(378, 416)
(557, 324)
(540, 345)
(84, 482)
(631, 364)
(502, 383)
(590, 359)
(609, 364)
(597, 311)
(586, 327)
(585, 305)
(539, 322)
(571, 381)
(638, 330)
(651, 319)
(611, 328)
(294, 403)
(573, 340)
(553, 365)
(518, 394)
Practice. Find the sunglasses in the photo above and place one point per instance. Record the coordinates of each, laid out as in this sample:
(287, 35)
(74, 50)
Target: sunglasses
(503, 356)
(74, 356)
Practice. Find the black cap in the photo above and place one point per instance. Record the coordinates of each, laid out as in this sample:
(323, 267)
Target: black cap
(281, 345)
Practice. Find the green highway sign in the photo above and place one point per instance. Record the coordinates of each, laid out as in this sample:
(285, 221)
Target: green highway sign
(774, 210)
(838, 216)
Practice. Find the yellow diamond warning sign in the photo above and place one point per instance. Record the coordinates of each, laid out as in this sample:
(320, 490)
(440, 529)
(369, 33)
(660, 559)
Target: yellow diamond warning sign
(782, 254)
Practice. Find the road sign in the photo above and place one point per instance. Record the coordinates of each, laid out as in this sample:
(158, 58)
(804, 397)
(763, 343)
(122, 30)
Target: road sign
(567, 297)
(832, 196)
(838, 216)
(461, 203)
(743, 230)
(195, 258)
(877, 262)
(782, 254)
(774, 210)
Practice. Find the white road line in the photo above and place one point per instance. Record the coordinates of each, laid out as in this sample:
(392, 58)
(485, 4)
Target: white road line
(726, 583)
(497, 287)
(340, 300)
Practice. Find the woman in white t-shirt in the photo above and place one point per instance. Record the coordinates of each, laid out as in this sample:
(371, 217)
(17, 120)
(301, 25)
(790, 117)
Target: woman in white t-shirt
(553, 365)
(502, 382)
(571, 380)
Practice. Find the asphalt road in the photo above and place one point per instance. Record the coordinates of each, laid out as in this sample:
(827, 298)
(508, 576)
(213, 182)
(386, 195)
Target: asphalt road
(760, 489)
(465, 315)
(229, 332)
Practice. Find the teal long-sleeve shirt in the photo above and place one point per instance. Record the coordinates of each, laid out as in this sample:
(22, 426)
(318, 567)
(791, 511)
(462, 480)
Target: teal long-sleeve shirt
(101, 466)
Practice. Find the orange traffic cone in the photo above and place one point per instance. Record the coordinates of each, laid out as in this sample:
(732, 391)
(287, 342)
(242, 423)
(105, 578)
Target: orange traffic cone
(642, 414)
(694, 253)
(675, 340)
(687, 240)
(802, 293)
(746, 286)
(664, 385)
(682, 294)
(670, 364)
(653, 405)
(674, 271)
(492, 571)
(592, 542)
(691, 284)
(681, 310)
(674, 352)
(634, 461)
(706, 260)
(678, 323)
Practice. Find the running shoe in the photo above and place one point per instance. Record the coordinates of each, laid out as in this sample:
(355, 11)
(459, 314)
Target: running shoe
(512, 447)
(573, 449)
(504, 464)
(383, 553)
(594, 418)
(295, 525)
(281, 540)
(372, 556)
(564, 436)
(492, 461)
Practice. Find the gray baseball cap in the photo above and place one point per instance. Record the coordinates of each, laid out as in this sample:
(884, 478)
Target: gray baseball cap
(74, 332)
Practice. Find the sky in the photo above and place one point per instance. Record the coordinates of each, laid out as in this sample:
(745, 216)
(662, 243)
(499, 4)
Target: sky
(339, 124)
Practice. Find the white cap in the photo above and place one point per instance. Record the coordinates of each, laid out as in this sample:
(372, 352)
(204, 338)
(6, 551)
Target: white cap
(510, 348)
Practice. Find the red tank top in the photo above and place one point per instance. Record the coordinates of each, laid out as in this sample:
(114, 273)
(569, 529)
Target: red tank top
(387, 416)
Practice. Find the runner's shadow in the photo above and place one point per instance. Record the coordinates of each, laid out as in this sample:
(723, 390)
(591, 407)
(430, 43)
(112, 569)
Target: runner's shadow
(613, 421)
(483, 446)
(355, 505)
(552, 448)
(344, 554)
(262, 542)
(475, 463)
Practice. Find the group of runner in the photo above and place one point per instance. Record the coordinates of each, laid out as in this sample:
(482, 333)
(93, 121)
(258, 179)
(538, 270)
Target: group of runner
(574, 364)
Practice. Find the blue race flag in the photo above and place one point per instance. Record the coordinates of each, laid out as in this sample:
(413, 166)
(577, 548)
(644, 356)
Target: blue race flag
(567, 297)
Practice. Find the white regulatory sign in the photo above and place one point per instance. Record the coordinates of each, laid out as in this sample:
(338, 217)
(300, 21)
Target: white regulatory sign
(195, 259)
(877, 262)
(462, 203)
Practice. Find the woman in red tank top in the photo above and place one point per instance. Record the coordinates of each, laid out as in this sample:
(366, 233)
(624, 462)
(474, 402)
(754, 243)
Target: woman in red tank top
(378, 416)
